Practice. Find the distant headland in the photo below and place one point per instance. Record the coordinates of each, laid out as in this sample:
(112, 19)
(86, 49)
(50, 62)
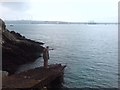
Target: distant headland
(52, 22)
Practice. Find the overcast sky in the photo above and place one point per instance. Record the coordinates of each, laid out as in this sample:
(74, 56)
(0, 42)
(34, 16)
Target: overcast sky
(60, 10)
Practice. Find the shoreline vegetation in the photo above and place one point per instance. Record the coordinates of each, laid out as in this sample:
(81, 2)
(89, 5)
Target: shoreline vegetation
(17, 49)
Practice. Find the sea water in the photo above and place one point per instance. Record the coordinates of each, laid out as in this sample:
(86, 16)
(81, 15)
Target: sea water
(89, 51)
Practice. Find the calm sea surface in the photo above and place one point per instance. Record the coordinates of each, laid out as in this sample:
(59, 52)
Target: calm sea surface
(90, 52)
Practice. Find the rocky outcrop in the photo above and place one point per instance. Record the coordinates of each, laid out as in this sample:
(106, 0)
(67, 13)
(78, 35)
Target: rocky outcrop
(17, 50)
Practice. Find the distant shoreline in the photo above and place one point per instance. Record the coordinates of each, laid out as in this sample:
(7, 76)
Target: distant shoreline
(54, 22)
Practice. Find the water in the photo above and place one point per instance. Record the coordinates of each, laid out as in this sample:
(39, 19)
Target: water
(90, 52)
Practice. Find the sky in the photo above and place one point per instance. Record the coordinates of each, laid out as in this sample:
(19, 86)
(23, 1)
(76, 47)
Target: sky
(60, 10)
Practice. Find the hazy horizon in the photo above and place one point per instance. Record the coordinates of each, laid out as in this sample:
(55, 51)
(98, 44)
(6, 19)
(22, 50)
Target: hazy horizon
(62, 21)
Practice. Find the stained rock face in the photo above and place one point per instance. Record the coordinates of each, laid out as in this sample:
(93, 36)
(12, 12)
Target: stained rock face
(17, 50)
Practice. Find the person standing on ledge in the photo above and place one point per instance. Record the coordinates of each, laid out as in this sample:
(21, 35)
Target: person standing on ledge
(46, 56)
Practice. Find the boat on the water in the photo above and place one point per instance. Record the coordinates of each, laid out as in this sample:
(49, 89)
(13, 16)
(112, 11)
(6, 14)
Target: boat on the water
(11, 25)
